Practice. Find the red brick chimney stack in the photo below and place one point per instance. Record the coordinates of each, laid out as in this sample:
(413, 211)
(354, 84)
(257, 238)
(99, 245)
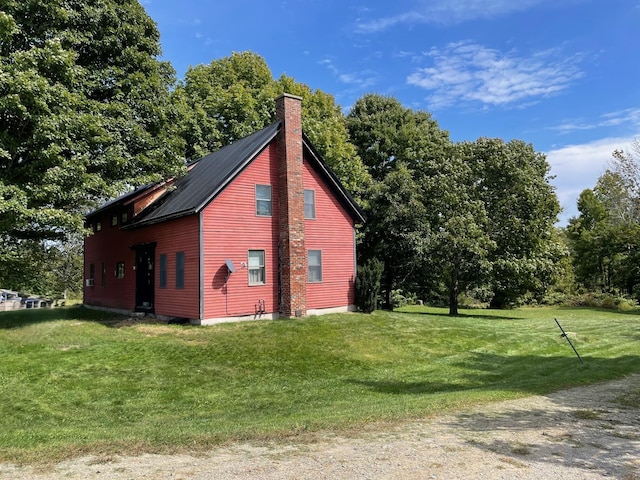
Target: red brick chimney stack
(293, 256)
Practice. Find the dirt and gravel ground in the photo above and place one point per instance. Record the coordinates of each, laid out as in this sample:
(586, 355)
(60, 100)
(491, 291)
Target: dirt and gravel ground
(582, 433)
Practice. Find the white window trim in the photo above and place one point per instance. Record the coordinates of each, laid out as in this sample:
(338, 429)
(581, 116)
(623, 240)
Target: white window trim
(261, 267)
(270, 200)
(317, 266)
(313, 204)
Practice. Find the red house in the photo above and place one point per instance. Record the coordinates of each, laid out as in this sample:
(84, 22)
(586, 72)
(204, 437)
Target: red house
(259, 229)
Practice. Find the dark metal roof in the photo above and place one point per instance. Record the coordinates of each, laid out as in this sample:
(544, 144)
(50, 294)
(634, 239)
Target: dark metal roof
(208, 176)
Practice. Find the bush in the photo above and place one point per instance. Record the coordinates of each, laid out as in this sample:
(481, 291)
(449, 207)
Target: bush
(399, 299)
(601, 300)
(368, 285)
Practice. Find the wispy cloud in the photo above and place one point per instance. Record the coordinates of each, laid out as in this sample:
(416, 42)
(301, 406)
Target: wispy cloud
(628, 116)
(447, 12)
(466, 72)
(363, 79)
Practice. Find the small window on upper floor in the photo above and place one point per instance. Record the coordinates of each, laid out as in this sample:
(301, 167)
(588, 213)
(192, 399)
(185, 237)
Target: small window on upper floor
(98, 226)
(263, 200)
(309, 204)
(114, 219)
(125, 217)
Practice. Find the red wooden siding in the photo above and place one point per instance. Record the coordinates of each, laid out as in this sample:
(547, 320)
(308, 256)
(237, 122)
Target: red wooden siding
(232, 228)
(332, 232)
(112, 245)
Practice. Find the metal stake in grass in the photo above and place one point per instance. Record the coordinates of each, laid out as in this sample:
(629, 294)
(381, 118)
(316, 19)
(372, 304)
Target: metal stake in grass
(564, 334)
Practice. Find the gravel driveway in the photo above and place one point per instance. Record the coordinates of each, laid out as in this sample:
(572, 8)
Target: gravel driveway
(582, 433)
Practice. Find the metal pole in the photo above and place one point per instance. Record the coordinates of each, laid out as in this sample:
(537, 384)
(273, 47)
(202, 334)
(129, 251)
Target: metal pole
(564, 334)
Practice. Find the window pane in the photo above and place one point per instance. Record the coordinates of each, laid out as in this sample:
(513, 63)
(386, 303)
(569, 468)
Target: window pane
(180, 270)
(163, 271)
(120, 270)
(315, 265)
(309, 204)
(256, 267)
(263, 200)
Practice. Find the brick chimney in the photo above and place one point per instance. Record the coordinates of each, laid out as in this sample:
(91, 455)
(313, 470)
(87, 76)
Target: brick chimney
(293, 256)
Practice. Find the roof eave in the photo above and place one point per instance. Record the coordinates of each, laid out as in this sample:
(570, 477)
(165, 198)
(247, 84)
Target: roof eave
(237, 171)
(154, 221)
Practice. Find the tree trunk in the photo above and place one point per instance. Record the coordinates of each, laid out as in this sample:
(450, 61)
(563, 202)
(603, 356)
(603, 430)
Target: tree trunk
(388, 284)
(453, 294)
(498, 302)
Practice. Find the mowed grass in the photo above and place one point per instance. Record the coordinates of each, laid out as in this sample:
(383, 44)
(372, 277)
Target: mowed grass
(74, 381)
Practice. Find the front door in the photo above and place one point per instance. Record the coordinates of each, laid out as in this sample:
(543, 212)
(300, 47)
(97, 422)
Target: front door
(145, 277)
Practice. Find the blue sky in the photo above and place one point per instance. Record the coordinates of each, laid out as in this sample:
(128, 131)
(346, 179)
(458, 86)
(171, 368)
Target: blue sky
(563, 75)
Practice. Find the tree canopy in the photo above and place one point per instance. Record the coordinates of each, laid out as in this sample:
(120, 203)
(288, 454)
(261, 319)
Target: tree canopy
(473, 216)
(87, 111)
(84, 108)
(85, 114)
(233, 97)
(605, 236)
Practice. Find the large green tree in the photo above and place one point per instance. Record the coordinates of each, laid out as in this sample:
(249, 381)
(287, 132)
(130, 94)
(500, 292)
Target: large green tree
(470, 216)
(402, 149)
(84, 111)
(512, 182)
(233, 96)
(460, 245)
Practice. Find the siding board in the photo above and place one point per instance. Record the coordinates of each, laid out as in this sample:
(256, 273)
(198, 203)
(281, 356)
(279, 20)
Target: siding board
(332, 233)
(231, 229)
(112, 245)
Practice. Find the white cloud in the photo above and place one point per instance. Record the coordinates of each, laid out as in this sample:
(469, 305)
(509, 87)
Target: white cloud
(612, 119)
(447, 12)
(363, 79)
(577, 167)
(466, 72)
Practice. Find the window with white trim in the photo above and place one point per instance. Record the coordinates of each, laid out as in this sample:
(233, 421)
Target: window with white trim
(256, 267)
(120, 270)
(309, 204)
(263, 200)
(314, 266)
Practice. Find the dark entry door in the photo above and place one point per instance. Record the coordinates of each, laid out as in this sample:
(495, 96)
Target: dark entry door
(145, 277)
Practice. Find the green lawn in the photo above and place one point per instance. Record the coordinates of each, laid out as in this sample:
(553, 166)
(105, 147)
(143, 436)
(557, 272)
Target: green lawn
(74, 381)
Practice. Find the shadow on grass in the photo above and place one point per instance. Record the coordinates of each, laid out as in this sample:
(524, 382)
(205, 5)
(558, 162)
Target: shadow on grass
(528, 374)
(632, 312)
(466, 315)
(25, 317)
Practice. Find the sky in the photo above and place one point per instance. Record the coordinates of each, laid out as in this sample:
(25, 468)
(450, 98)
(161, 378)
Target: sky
(562, 75)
